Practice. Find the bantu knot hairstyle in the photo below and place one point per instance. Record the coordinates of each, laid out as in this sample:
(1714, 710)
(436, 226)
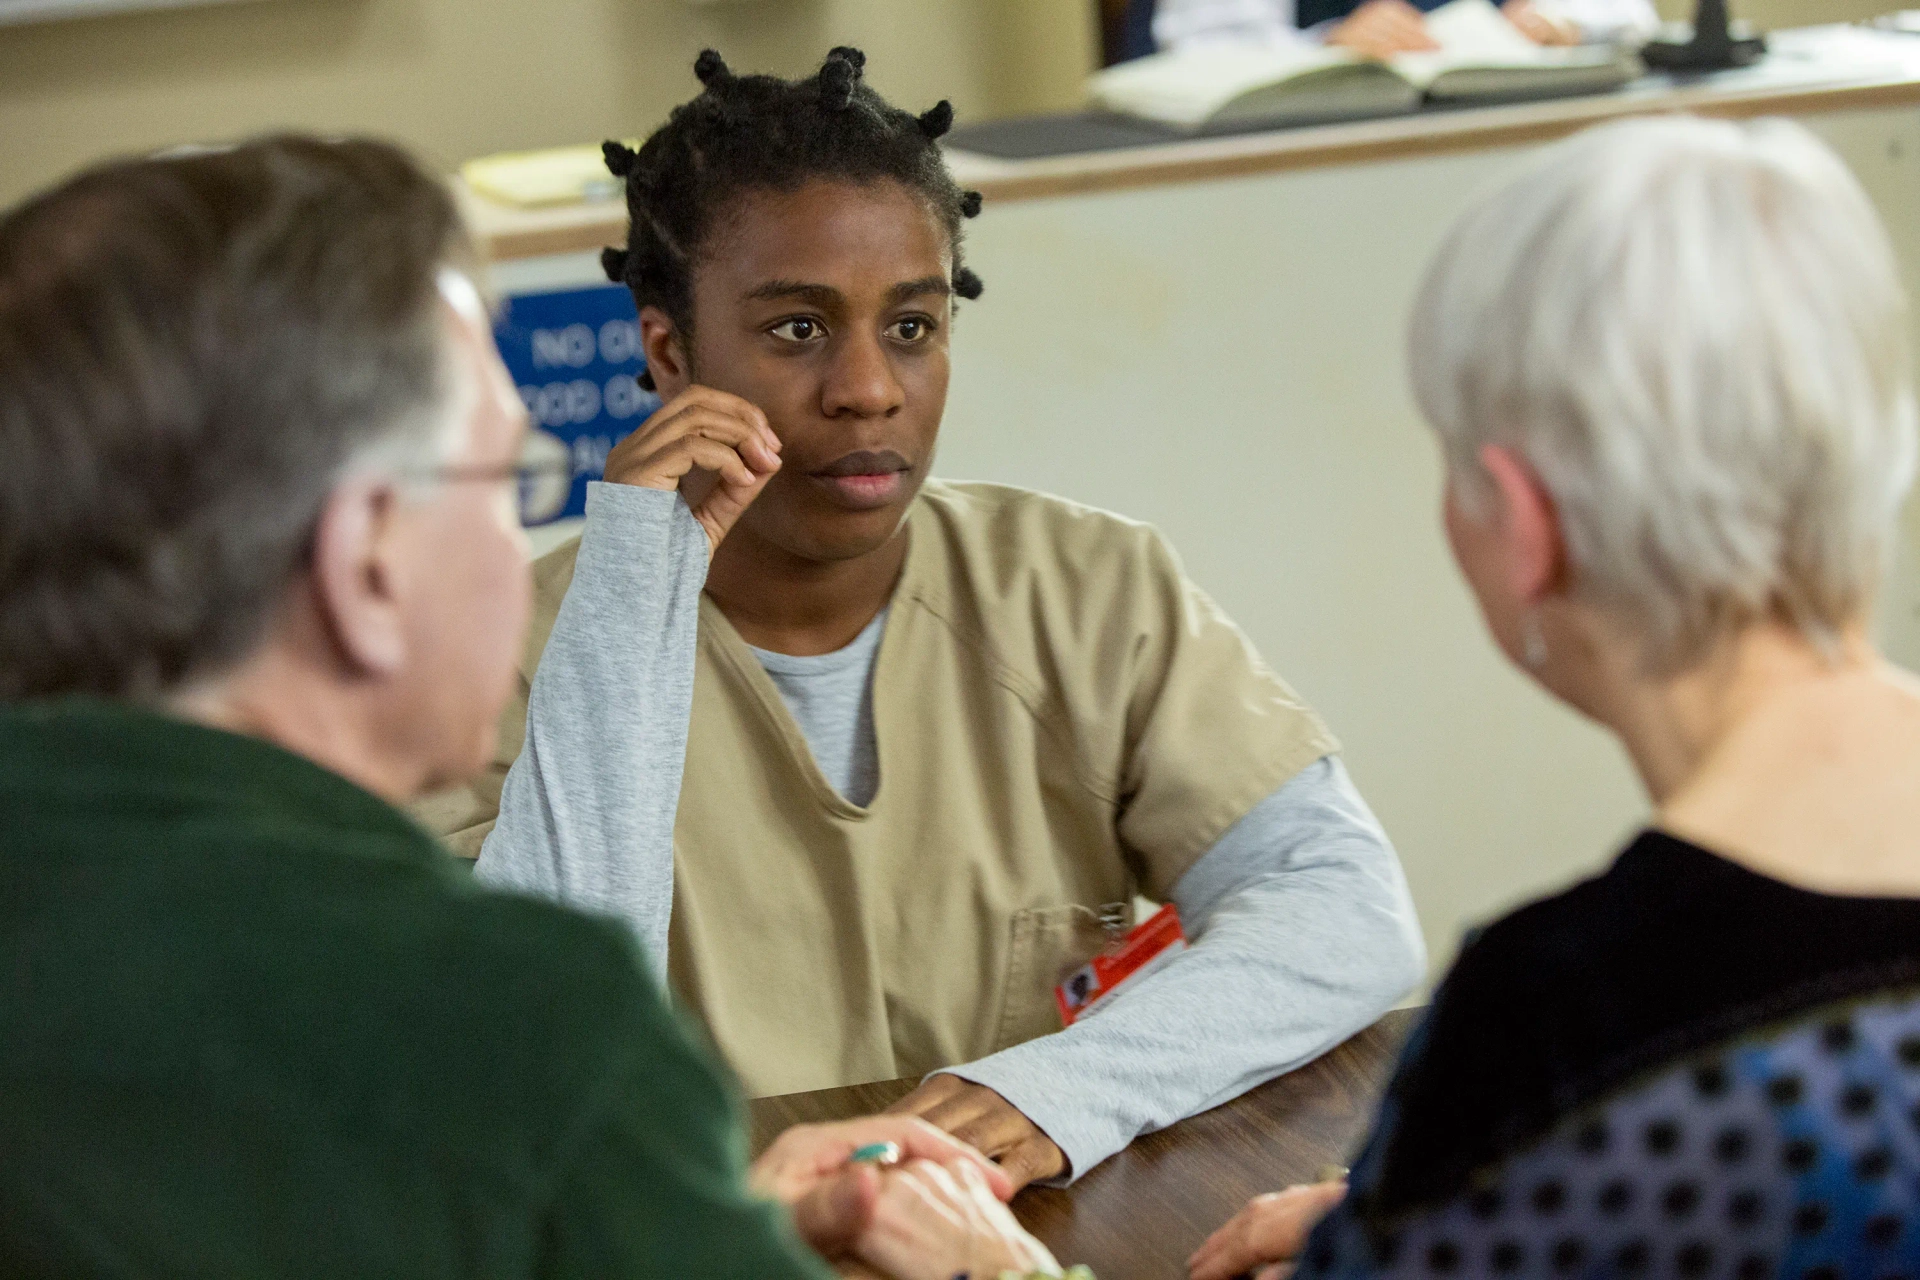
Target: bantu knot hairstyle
(937, 119)
(761, 133)
(620, 158)
(711, 69)
(838, 76)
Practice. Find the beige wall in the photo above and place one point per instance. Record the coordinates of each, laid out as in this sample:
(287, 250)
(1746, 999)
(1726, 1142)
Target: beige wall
(457, 78)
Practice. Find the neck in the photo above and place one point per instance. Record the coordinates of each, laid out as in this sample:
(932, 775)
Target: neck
(789, 604)
(1672, 725)
(272, 696)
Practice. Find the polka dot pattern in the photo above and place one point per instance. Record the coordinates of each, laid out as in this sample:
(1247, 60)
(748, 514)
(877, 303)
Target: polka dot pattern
(1792, 1155)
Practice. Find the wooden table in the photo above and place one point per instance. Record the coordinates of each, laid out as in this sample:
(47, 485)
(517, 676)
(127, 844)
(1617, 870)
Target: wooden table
(1141, 1213)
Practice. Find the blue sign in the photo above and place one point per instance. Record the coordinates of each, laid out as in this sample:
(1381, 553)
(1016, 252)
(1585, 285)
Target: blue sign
(575, 356)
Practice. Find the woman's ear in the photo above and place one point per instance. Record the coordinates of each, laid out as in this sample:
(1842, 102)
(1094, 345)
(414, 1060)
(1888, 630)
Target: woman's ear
(1532, 552)
(666, 354)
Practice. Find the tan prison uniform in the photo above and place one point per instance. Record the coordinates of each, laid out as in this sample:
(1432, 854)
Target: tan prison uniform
(1062, 720)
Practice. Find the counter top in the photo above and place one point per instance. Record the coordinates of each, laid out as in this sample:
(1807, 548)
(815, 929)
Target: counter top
(1808, 71)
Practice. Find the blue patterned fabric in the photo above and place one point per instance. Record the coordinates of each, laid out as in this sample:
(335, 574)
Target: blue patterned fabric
(1792, 1151)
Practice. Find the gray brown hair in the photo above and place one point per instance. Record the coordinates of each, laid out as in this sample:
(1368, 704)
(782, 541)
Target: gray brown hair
(193, 348)
(1695, 333)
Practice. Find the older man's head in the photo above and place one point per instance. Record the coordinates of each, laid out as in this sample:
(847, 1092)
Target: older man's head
(1692, 336)
(258, 456)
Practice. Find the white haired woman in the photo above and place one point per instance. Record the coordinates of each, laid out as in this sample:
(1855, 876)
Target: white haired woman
(1668, 367)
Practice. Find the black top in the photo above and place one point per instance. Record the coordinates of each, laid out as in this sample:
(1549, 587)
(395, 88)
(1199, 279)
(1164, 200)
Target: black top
(1671, 950)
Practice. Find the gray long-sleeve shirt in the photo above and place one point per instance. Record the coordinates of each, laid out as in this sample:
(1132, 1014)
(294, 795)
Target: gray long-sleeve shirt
(586, 812)
(1303, 930)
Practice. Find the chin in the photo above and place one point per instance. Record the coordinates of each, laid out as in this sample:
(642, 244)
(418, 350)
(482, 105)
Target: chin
(830, 534)
(849, 537)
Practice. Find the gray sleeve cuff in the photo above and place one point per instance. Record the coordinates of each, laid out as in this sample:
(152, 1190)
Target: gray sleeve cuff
(1303, 933)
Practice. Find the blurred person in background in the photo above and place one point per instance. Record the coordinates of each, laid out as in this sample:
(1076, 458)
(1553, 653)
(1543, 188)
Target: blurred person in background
(1372, 28)
(261, 580)
(1668, 366)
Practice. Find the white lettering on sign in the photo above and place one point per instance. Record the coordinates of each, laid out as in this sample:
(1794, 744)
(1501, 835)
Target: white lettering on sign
(625, 399)
(561, 404)
(590, 454)
(620, 341)
(570, 348)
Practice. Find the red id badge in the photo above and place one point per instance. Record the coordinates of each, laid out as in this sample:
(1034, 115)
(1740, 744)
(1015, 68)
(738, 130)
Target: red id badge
(1147, 946)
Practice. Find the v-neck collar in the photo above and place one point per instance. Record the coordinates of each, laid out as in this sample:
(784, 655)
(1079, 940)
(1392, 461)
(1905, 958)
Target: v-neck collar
(730, 649)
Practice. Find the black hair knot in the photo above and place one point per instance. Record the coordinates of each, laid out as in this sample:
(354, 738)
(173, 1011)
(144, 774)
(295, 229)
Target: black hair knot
(614, 263)
(937, 119)
(967, 284)
(838, 76)
(712, 69)
(620, 158)
(970, 202)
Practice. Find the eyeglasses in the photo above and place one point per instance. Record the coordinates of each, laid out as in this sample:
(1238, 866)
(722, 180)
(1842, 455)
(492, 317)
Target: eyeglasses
(541, 486)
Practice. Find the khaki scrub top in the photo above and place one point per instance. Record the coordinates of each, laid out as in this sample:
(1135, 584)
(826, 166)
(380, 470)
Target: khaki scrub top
(1063, 720)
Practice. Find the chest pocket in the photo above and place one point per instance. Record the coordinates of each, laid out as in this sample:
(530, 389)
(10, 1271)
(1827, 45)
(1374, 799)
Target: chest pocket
(1048, 944)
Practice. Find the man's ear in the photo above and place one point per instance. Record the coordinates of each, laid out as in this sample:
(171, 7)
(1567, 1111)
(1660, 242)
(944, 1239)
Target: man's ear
(1533, 552)
(356, 579)
(666, 354)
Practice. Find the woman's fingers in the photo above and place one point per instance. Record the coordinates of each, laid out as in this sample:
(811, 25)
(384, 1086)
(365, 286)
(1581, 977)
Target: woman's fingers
(647, 457)
(1035, 1255)
(940, 1222)
(1271, 1229)
(915, 1233)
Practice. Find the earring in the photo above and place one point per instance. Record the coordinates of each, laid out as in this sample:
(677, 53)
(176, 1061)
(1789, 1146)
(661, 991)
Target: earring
(1533, 641)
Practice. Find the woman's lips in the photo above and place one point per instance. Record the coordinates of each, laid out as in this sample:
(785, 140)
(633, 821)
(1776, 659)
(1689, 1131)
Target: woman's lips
(864, 491)
(864, 479)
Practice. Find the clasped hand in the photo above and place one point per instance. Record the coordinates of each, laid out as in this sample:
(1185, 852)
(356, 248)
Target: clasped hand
(983, 1119)
(939, 1213)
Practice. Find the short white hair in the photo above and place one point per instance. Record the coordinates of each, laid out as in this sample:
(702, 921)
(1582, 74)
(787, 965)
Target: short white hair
(1694, 332)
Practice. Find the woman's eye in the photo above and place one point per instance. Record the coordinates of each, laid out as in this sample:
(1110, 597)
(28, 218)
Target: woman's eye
(911, 329)
(799, 329)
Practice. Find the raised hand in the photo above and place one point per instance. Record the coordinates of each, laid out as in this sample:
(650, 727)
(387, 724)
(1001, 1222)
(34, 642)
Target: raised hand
(715, 448)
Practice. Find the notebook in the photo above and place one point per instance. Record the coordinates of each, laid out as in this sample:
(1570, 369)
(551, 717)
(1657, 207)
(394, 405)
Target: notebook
(1481, 56)
(530, 179)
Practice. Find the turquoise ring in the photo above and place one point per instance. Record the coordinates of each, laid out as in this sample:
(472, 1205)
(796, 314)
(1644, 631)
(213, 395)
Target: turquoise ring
(880, 1153)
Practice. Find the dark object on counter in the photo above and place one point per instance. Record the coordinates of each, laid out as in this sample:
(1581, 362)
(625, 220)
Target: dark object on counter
(1717, 44)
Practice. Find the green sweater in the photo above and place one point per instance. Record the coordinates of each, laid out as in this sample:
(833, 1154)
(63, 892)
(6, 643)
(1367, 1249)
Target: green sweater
(253, 1023)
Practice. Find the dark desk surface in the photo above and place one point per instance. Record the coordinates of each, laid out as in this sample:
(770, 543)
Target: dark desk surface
(1143, 1212)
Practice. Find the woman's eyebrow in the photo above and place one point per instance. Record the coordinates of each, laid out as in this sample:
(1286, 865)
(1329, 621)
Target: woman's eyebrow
(820, 295)
(925, 285)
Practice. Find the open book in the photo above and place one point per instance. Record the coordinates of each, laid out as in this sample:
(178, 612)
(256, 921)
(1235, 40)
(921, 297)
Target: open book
(1481, 56)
